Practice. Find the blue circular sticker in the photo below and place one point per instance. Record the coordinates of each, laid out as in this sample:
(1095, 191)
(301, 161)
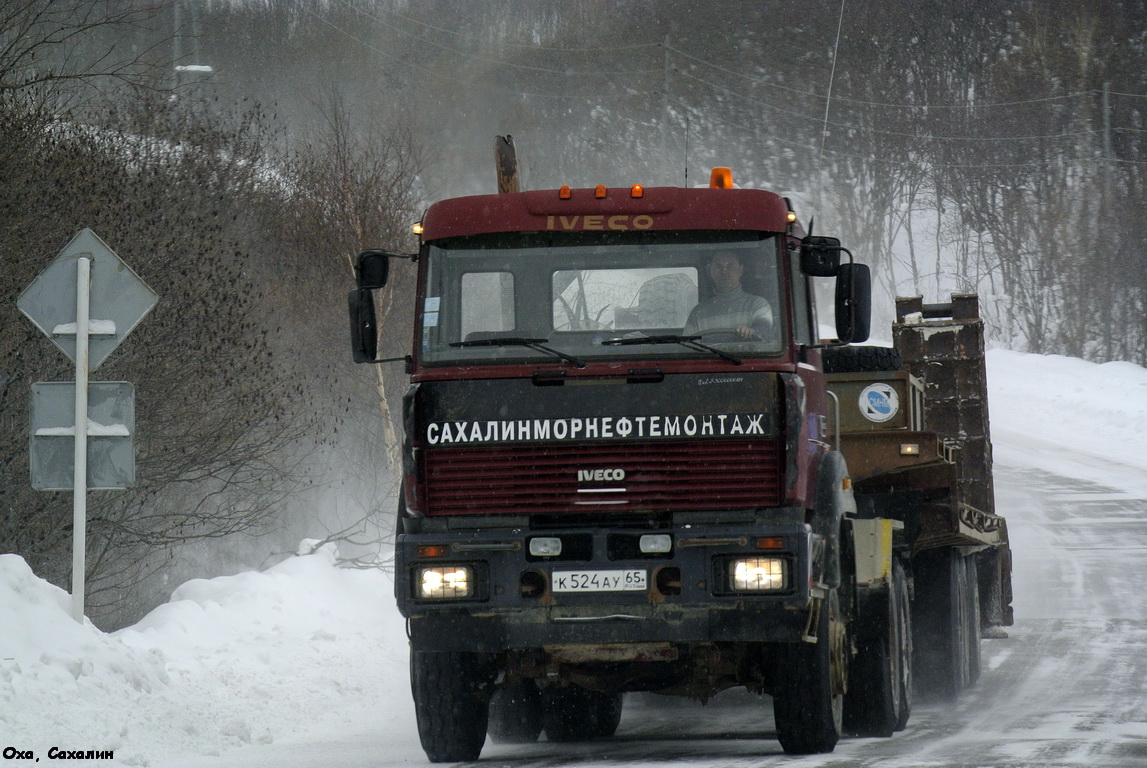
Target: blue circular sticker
(879, 402)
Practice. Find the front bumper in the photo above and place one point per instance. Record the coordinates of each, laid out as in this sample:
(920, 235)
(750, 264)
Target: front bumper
(688, 597)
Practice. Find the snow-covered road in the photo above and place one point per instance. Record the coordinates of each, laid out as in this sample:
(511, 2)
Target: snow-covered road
(305, 664)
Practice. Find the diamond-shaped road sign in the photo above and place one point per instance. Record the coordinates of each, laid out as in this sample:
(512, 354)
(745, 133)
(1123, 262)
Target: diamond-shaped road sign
(118, 299)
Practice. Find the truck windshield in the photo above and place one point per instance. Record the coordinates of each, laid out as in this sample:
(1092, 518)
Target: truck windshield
(575, 299)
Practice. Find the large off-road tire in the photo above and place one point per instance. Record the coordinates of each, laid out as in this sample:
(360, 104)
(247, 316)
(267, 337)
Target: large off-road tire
(609, 714)
(516, 713)
(808, 703)
(972, 601)
(861, 359)
(907, 678)
(573, 713)
(451, 702)
(879, 676)
(946, 623)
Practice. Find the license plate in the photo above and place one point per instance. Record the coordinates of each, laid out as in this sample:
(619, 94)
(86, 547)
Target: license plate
(633, 579)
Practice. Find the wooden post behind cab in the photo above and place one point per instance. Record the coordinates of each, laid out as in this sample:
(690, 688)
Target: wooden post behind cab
(506, 163)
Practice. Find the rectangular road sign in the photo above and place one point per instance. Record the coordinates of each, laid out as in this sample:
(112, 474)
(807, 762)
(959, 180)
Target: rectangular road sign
(111, 426)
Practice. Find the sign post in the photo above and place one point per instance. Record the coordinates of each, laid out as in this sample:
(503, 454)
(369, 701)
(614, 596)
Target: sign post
(80, 475)
(89, 278)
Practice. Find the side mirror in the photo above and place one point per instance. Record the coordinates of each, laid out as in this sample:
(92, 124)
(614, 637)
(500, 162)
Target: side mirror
(820, 256)
(372, 269)
(853, 303)
(363, 331)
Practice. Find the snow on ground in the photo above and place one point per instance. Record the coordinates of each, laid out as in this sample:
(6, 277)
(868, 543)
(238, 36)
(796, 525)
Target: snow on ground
(1068, 416)
(252, 665)
(256, 658)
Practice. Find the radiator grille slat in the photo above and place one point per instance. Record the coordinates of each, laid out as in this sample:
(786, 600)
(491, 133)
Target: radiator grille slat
(662, 476)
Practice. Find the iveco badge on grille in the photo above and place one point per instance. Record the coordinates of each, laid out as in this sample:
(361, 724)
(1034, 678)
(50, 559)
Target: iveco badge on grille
(599, 475)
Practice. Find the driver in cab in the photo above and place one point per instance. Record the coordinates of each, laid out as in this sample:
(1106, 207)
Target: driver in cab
(730, 308)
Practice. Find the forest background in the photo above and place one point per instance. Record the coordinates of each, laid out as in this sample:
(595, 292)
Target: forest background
(238, 154)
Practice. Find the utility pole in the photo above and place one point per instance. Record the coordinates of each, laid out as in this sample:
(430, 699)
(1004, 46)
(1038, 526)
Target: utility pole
(197, 74)
(665, 102)
(176, 45)
(1106, 223)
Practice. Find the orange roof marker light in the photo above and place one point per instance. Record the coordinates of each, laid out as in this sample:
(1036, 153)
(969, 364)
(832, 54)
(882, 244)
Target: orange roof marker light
(721, 178)
(637, 191)
(599, 191)
(564, 192)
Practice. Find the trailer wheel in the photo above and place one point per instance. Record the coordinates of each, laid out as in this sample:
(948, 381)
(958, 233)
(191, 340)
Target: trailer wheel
(861, 359)
(972, 601)
(905, 680)
(609, 714)
(451, 702)
(808, 705)
(516, 713)
(880, 674)
(946, 623)
(574, 713)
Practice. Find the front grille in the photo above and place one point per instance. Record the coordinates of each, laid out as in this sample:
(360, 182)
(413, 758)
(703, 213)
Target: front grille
(662, 476)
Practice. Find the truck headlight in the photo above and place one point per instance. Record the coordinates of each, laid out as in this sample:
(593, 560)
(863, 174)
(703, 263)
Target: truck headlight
(758, 574)
(445, 582)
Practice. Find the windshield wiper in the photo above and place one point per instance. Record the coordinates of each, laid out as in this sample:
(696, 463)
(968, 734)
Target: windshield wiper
(519, 341)
(690, 342)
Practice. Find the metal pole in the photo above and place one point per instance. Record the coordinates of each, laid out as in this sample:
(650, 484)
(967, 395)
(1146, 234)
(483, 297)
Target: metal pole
(80, 478)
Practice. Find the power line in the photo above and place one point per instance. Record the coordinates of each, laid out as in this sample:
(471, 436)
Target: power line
(831, 77)
(489, 59)
(863, 102)
(805, 146)
(645, 46)
(448, 78)
(726, 89)
(902, 134)
(525, 46)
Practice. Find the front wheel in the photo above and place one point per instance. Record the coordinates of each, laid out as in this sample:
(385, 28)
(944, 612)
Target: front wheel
(808, 705)
(574, 713)
(451, 702)
(880, 675)
(516, 713)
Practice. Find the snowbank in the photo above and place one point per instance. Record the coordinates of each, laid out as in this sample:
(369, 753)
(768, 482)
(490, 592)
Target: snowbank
(1069, 416)
(249, 659)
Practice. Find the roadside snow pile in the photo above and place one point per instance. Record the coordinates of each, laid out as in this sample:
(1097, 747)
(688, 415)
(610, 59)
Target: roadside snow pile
(59, 679)
(1040, 405)
(247, 659)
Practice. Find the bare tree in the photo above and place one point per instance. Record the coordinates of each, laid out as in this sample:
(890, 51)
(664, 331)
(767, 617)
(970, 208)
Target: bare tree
(64, 43)
(361, 181)
(356, 186)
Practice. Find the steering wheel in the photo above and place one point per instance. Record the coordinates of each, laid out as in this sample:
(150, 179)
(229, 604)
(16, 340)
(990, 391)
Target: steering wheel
(732, 333)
